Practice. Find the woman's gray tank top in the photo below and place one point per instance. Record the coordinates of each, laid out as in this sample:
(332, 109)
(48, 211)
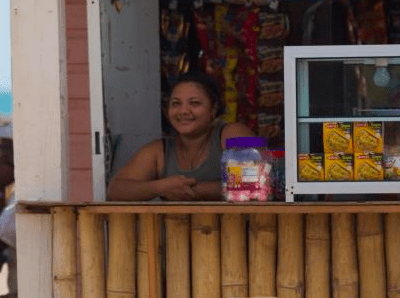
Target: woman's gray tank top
(209, 170)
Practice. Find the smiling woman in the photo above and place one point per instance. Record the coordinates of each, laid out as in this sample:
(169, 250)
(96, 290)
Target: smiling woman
(185, 166)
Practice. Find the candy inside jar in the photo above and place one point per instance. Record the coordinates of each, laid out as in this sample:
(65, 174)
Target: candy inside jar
(246, 170)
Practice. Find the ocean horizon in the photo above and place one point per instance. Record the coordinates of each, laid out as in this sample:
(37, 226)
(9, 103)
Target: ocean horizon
(6, 106)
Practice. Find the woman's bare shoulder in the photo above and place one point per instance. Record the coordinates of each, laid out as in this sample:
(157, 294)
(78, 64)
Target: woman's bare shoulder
(144, 164)
(234, 130)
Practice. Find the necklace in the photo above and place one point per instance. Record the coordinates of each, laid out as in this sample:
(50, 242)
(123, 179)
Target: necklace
(193, 161)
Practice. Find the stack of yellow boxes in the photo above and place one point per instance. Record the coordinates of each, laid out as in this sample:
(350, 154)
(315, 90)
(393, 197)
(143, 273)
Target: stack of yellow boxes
(338, 151)
(352, 151)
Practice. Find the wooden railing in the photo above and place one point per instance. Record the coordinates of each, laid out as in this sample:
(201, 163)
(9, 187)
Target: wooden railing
(224, 250)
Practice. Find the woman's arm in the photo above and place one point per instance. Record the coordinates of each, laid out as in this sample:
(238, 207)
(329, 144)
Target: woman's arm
(137, 181)
(234, 130)
(208, 191)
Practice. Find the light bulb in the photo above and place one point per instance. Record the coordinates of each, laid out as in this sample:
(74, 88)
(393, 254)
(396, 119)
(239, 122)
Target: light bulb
(381, 77)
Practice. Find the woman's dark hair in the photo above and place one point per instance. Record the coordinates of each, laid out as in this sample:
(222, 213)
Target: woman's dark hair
(208, 84)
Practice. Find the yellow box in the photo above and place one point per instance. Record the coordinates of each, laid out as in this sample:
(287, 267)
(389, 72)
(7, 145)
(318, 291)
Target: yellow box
(368, 137)
(368, 166)
(337, 137)
(311, 167)
(339, 167)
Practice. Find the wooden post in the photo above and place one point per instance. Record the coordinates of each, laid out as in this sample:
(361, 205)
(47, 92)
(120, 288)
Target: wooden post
(371, 255)
(177, 227)
(344, 257)
(317, 256)
(206, 270)
(121, 262)
(392, 241)
(262, 255)
(290, 273)
(64, 252)
(91, 241)
(233, 256)
(149, 259)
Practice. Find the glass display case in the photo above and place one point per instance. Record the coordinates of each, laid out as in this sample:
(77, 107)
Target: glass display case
(342, 119)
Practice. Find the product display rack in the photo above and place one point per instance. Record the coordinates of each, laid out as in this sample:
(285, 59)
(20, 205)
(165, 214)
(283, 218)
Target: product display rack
(302, 115)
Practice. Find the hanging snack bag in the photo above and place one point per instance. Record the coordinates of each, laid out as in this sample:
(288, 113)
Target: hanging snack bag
(339, 167)
(368, 137)
(337, 137)
(271, 93)
(368, 166)
(311, 167)
(271, 59)
(273, 26)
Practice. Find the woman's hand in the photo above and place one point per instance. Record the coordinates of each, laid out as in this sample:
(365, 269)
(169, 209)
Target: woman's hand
(178, 188)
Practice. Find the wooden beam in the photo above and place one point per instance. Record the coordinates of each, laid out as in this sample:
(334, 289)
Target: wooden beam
(39, 76)
(91, 242)
(34, 255)
(64, 252)
(249, 209)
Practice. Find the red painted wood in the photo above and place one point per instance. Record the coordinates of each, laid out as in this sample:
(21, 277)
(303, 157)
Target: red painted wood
(81, 186)
(79, 116)
(77, 50)
(79, 156)
(76, 16)
(78, 81)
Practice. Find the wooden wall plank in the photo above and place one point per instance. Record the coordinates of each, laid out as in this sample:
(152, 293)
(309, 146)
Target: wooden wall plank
(38, 48)
(34, 242)
(64, 252)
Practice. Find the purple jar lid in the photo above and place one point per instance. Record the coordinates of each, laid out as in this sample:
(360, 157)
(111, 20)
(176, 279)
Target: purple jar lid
(246, 142)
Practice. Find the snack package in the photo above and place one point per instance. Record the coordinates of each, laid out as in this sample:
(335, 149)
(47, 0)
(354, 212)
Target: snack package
(368, 166)
(339, 167)
(337, 137)
(391, 164)
(273, 25)
(368, 137)
(311, 167)
(271, 93)
(271, 59)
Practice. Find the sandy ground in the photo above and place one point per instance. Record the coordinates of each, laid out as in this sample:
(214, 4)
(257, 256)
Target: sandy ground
(3, 280)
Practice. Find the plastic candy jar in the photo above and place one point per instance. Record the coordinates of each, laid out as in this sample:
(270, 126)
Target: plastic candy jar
(246, 166)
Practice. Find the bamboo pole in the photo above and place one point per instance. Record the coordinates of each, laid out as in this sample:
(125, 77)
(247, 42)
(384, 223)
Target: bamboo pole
(206, 271)
(149, 257)
(392, 239)
(290, 273)
(121, 262)
(64, 252)
(177, 227)
(344, 257)
(234, 276)
(262, 255)
(317, 255)
(91, 241)
(371, 255)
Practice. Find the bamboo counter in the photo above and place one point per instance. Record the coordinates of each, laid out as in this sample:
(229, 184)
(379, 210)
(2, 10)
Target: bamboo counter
(223, 250)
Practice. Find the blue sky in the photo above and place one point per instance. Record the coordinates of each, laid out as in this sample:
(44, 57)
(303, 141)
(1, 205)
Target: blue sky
(5, 59)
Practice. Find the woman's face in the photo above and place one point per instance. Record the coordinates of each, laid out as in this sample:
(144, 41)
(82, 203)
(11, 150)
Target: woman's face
(190, 110)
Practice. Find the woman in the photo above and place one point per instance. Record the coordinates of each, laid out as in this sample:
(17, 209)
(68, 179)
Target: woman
(185, 166)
